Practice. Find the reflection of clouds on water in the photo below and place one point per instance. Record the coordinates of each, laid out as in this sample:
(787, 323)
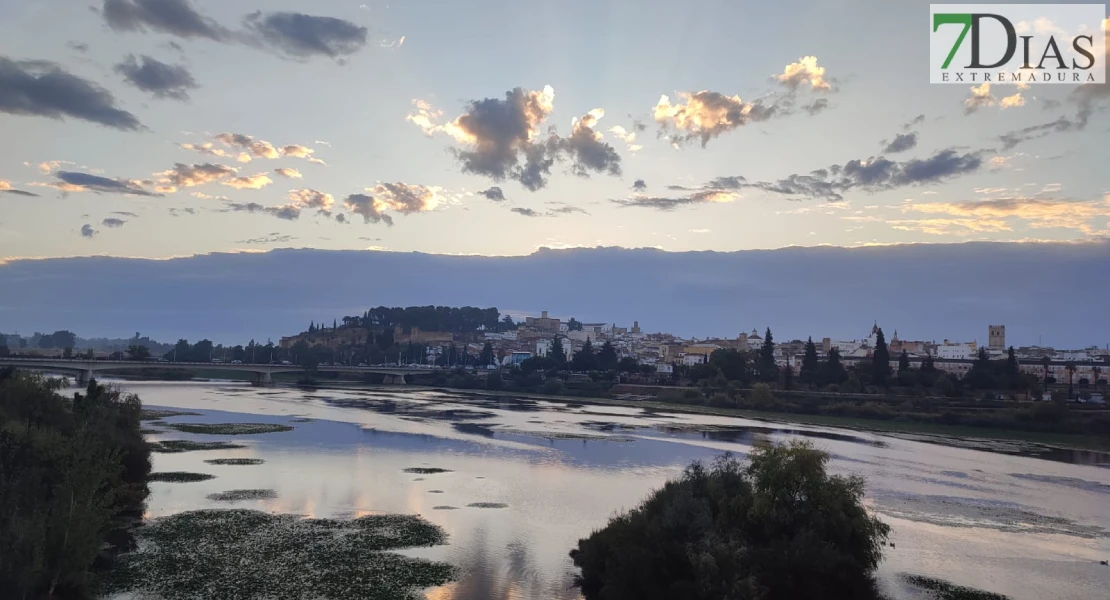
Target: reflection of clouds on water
(957, 511)
(508, 574)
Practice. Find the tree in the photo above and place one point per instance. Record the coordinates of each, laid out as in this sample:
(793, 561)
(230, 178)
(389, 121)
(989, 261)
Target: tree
(768, 370)
(68, 352)
(574, 325)
(761, 395)
(1070, 367)
(903, 362)
(628, 364)
(507, 324)
(778, 528)
(137, 352)
(1012, 368)
(808, 374)
(881, 359)
(557, 353)
(4, 351)
(486, 357)
(833, 370)
(732, 363)
(607, 357)
(585, 359)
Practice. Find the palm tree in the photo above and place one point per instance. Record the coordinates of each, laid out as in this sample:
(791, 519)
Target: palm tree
(1070, 366)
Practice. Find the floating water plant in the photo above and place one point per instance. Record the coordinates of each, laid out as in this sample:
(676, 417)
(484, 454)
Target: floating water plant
(239, 495)
(426, 470)
(229, 428)
(174, 446)
(179, 477)
(235, 461)
(245, 554)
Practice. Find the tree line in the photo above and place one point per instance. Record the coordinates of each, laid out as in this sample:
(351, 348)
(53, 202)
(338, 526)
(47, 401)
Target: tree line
(73, 474)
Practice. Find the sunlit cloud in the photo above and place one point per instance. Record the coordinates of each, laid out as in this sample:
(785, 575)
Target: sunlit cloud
(249, 182)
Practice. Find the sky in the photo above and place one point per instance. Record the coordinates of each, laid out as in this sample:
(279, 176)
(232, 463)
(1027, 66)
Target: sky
(170, 128)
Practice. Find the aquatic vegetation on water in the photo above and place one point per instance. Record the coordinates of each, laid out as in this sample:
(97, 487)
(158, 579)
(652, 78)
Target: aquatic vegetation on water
(174, 446)
(960, 511)
(445, 508)
(487, 505)
(435, 491)
(938, 589)
(426, 470)
(229, 428)
(151, 431)
(239, 495)
(235, 461)
(247, 554)
(154, 414)
(180, 477)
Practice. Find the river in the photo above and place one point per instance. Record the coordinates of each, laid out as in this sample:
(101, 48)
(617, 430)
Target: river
(1027, 527)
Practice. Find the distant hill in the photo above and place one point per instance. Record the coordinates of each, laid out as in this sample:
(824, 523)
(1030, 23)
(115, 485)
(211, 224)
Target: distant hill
(1052, 292)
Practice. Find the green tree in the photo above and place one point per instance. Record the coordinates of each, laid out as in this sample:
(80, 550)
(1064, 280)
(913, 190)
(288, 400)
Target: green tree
(68, 352)
(486, 357)
(557, 353)
(137, 352)
(732, 363)
(507, 324)
(574, 325)
(903, 362)
(833, 370)
(761, 396)
(1012, 368)
(880, 359)
(810, 366)
(607, 357)
(628, 364)
(768, 370)
(585, 359)
(778, 528)
(4, 351)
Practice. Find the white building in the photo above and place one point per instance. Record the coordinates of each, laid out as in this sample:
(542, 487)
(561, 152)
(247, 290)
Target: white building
(951, 351)
(693, 359)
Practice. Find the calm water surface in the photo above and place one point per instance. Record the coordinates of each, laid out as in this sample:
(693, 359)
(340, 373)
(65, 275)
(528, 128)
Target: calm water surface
(1026, 527)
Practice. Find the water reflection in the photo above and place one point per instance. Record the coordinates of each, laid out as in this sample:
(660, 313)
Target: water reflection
(1020, 526)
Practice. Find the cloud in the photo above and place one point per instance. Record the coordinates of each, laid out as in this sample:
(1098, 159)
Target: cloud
(78, 47)
(112, 222)
(6, 188)
(902, 142)
(342, 218)
(158, 78)
(270, 238)
(1013, 101)
(628, 137)
(1035, 213)
(708, 195)
(914, 122)
(566, 210)
(288, 172)
(173, 17)
(303, 36)
(39, 88)
(184, 175)
(1032, 132)
(249, 182)
(49, 166)
(705, 115)
(871, 175)
(980, 97)
(287, 212)
(309, 198)
(525, 212)
(403, 198)
(124, 213)
(367, 206)
(176, 212)
(816, 106)
(585, 147)
(254, 148)
(639, 185)
(804, 72)
(209, 149)
(494, 193)
(72, 181)
(88, 231)
(296, 151)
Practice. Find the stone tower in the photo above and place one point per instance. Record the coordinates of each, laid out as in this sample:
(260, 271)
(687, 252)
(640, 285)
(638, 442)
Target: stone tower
(996, 337)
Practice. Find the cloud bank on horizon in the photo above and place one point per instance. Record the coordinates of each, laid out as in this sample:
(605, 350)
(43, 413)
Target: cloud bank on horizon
(208, 120)
(797, 292)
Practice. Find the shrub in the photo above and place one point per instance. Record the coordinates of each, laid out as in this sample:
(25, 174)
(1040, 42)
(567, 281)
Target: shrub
(778, 528)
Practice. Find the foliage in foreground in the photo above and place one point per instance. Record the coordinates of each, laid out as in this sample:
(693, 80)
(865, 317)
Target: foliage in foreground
(245, 554)
(778, 528)
(939, 589)
(72, 473)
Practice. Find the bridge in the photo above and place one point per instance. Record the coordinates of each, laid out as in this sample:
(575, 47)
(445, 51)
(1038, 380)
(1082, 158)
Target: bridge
(84, 369)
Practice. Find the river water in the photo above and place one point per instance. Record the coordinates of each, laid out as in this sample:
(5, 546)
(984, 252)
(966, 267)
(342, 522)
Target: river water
(1026, 526)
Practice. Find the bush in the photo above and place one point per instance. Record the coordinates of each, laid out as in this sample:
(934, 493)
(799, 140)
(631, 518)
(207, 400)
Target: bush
(779, 528)
(761, 396)
(552, 386)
